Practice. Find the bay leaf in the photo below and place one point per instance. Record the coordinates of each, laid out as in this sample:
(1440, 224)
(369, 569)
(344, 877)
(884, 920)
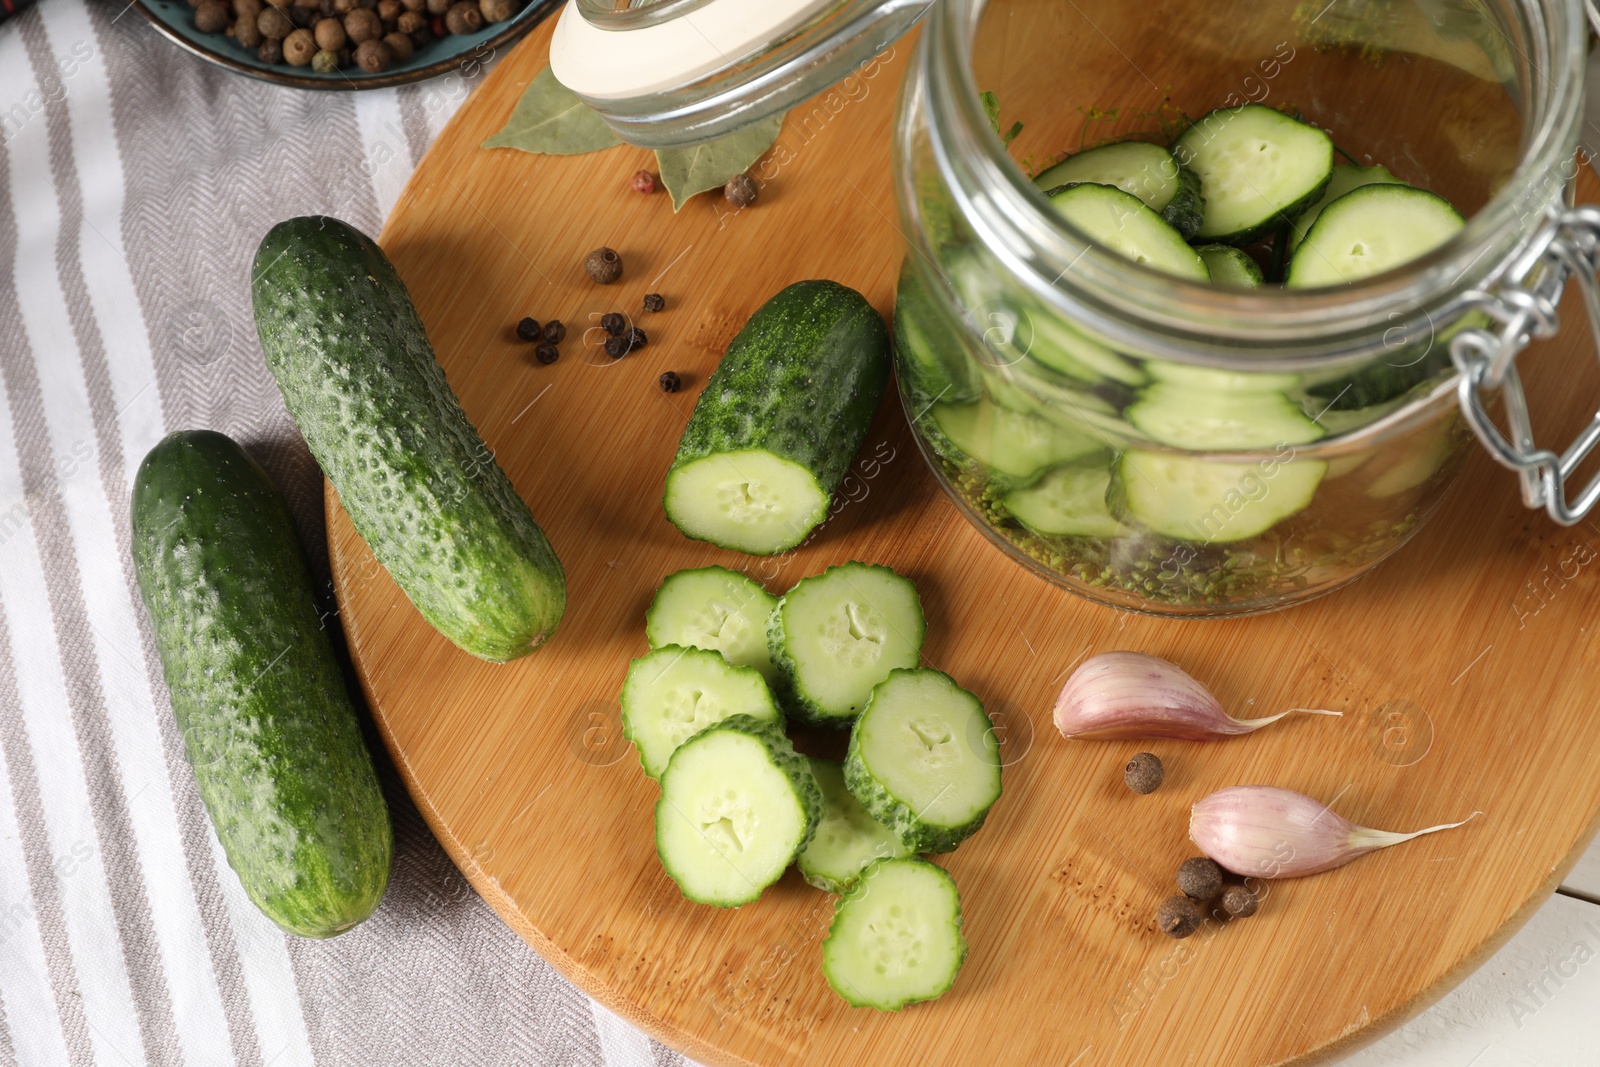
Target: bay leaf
(691, 170)
(552, 120)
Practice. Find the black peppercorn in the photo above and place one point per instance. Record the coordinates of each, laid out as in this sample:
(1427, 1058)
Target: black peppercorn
(546, 353)
(654, 302)
(1144, 773)
(1199, 878)
(1239, 902)
(616, 347)
(529, 329)
(635, 338)
(603, 265)
(670, 383)
(1179, 916)
(613, 324)
(555, 331)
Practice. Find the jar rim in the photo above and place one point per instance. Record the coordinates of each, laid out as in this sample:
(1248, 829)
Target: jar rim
(1198, 323)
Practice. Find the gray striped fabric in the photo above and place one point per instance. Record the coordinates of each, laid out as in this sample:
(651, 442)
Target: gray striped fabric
(135, 182)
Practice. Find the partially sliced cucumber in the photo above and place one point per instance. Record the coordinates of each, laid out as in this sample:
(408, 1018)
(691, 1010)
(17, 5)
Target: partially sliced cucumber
(1184, 417)
(924, 760)
(1067, 502)
(717, 609)
(1140, 168)
(1345, 178)
(1232, 266)
(1122, 223)
(1199, 500)
(1014, 443)
(750, 501)
(1371, 230)
(839, 633)
(1258, 168)
(737, 805)
(673, 693)
(848, 840)
(896, 937)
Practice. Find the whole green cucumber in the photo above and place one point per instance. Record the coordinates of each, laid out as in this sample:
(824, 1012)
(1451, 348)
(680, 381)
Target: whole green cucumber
(267, 722)
(359, 377)
(779, 423)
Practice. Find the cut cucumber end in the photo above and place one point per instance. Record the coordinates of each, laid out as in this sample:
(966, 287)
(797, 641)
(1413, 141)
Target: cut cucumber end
(836, 635)
(924, 760)
(896, 937)
(737, 805)
(749, 501)
(713, 608)
(673, 693)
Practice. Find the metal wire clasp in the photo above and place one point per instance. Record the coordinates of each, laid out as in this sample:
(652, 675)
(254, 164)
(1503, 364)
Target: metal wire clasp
(1523, 306)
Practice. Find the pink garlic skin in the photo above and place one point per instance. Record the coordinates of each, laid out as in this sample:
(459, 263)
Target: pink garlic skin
(1127, 695)
(1268, 832)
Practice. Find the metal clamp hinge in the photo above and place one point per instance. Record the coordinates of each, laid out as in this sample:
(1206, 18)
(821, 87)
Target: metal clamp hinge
(1523, 307)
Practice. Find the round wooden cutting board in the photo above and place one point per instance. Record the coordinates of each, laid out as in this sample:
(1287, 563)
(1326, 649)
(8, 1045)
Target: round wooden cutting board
(1464, 667)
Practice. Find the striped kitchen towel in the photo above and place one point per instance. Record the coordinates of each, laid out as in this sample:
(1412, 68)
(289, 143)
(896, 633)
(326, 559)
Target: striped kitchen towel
(11, 7)
(135, 182)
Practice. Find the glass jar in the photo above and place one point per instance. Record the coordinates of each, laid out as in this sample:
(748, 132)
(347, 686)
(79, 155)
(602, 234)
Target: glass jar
(1154, 443)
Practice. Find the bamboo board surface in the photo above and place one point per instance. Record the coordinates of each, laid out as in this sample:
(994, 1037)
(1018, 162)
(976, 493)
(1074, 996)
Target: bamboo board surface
(1478, 632)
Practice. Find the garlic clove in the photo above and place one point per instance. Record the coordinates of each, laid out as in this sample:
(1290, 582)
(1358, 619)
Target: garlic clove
(1127, 695)
(1269, 832)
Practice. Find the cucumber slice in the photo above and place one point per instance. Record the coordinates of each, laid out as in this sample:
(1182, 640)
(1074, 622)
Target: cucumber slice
(1231, 266)
(896, 937)
(1121, 222)
(1258, 168)
(924, 760)
(848, 840)
(1014, 443)
(737, 805)
(672, 693)
(1209, 380)
(1345, 178)
(839, 633)
(1067, 502)
(716, 609)
(1068, 351)
(1184, 417)
(1370, 230)
(1199, 500)
(1141, 169)
(936, 366)
(750, 501)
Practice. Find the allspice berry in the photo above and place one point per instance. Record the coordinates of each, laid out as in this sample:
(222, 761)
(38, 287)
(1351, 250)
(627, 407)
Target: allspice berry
(344, 7)
(497, 10)
(654, 302)
(325, 62)
(270, 51)
(373, 57)
(1144, 773)
(1199, 878)
(329, 34)
(247, 34)
(400, 46)
(302, 17)
(740, 190)
(1179, 916)
(413, 5)
(603, 265)
(438, 7)
(246, 9)
(410, 22)
(362, 25)
(464, 17)
(388, 11)
(1239, 902)
(299, 47)
(211, 16)
(273, 24)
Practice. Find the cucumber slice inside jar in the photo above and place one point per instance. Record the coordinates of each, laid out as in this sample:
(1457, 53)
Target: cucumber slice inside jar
(1185, 417)
(1200, 500)
(1346, 178)
(848, 840)
(896, 937)
(1016, 444)
(1232, 266)
(1258, 168)
(1067, 502)
(1140, 169)
(1122, 223)
(1371, 230)
(673, 693)
(713, 608)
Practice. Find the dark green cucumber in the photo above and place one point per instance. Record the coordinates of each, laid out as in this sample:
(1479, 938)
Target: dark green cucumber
(267, 722)
(359, 377)
(779, 423)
